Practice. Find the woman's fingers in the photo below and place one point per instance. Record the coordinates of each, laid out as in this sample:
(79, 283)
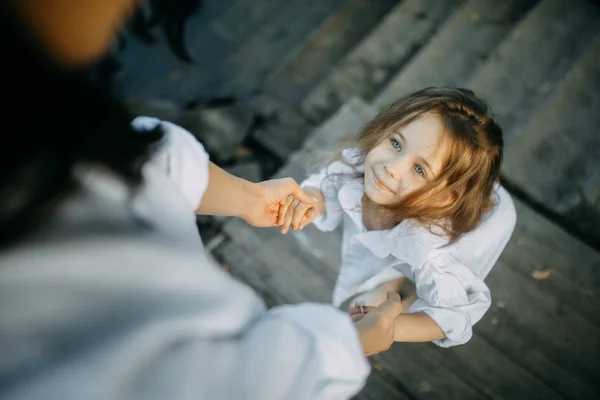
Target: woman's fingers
(288, 216)
(283, 209)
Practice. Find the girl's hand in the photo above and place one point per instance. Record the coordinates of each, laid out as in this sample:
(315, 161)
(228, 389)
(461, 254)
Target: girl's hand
(263, 204)
(298, 214)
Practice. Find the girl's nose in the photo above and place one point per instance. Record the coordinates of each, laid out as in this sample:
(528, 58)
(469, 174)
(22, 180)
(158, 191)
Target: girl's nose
(394, 166)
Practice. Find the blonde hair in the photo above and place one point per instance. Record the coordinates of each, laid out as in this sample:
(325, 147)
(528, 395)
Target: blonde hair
(470, 168)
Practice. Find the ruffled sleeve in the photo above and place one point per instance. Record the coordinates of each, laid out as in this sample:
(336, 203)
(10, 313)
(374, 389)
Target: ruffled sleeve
(329, 181)
(452, 295)
(181, 157)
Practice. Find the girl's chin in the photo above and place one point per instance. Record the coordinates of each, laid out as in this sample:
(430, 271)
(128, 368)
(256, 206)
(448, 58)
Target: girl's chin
(376, 195)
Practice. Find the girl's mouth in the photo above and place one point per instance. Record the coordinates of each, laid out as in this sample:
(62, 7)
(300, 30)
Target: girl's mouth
(381, 184)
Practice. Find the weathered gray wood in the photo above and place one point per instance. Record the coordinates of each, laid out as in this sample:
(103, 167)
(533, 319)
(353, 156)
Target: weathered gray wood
(152, 71)
(243, 265)
(285, 130)
(379, 386)
(158, 108)
(273, 41)
(557, 159)
(541, 333)
(494, 374)
(216, 43)
(346, 122)
(533, 59)
(459, 48)
(376, 59)
(221, 129)
(417, 367)
(324, 47)
(349, 119)
(280, 267)
(539, 245)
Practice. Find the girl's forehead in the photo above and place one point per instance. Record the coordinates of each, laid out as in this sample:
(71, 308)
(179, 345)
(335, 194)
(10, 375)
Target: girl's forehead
(427, 136)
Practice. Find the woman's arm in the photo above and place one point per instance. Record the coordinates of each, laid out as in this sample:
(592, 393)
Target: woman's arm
(226, 194)
(257, 203)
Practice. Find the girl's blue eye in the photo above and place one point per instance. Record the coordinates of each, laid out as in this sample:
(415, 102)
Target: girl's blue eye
(396, 144)
(419, 170)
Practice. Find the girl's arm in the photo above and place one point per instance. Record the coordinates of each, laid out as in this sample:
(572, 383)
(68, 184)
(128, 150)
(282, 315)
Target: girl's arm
(417, 327)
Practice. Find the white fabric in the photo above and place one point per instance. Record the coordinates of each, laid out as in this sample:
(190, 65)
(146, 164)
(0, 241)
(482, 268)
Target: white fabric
(448, 277)
(116, 299)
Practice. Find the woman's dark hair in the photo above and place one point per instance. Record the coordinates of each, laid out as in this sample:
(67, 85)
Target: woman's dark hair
(54, 119)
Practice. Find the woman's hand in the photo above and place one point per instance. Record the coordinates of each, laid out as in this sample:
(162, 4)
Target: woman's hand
(298, 214)
(257, 203)
(376, 325)
(264, 210)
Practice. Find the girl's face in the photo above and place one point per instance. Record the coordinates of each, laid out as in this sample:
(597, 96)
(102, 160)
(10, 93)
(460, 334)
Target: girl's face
(405, 161)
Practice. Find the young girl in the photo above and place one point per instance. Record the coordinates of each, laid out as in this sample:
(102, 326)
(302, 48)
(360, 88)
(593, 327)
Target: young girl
(420, 200)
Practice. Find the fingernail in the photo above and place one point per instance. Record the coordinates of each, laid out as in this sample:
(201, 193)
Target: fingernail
(300, 227)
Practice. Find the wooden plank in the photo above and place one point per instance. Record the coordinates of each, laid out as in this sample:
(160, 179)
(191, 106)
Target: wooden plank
(324, 47)
(535, 56)
(417, 367)
(243, 265)
(557, 160)
(494, 374)
(284, 131)
(459, 48)
(378, 57)
(539, 245)
(346, 122)
(476, 364)
(380, 386)
(224, 37)
(542, 334)
(273, 41)
(152, 71)
(279, 267)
